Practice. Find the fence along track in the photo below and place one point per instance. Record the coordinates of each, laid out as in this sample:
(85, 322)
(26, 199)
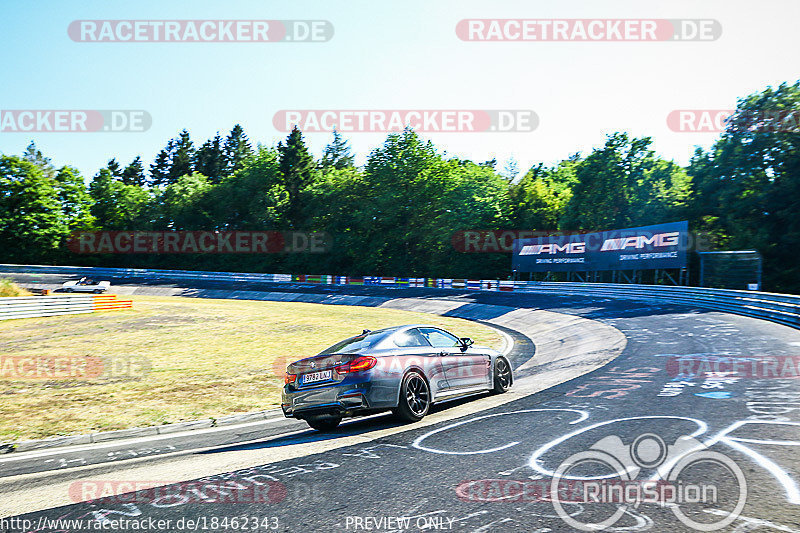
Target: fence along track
(780, 308)
(73, 304)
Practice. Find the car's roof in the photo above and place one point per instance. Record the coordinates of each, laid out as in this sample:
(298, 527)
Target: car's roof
(380, 336)
(409, 326)
(385, 332)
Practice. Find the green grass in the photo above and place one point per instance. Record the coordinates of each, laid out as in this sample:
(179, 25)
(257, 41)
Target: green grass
(10, 289)
(208, 358)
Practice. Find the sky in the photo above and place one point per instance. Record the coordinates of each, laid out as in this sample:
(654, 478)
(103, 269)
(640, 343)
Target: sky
(388, 55)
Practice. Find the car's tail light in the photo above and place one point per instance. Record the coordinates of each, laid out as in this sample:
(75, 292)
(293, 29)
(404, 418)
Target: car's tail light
(289, 378)
(357, 365)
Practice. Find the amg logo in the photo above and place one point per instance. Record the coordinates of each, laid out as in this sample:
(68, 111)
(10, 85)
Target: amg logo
(569, 248)
(640, 241)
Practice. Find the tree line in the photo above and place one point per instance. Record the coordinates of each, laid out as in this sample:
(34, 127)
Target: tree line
(396, 214)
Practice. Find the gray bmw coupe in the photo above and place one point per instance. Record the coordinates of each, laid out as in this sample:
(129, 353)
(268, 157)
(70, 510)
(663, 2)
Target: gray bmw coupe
(405, 369)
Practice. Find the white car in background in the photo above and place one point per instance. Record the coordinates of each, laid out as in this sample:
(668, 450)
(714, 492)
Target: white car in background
(86, 285)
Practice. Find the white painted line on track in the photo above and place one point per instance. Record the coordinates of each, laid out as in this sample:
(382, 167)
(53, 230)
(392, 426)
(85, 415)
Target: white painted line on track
(582, 415)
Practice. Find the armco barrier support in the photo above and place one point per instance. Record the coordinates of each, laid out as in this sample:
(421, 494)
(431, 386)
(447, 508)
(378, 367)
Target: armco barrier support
(39, 306)
(780, 308)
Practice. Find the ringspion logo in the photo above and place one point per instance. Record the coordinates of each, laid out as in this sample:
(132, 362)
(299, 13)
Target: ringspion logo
(199, 31)
(74, 120)
(588, 30)
(685, 476)
(394, 120)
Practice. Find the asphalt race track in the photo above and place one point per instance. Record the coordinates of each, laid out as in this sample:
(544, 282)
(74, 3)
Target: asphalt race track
(492, 470)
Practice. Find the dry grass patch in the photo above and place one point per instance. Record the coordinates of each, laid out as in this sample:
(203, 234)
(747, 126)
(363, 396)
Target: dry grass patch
(208, 358)
(10, 289)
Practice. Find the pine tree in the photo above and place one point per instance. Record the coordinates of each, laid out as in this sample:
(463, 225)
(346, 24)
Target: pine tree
(511, 169)
(210, 159)
(296, 167)
(134, 173)
(159, 169)
(237, 149)
(182, 157)
(35, 156)
(114, 168)
(337, 154)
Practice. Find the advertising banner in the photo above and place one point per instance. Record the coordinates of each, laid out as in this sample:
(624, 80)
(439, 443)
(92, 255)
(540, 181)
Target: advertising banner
(648, 247)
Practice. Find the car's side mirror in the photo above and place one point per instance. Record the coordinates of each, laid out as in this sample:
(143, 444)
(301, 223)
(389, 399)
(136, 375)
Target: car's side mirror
(466, 342)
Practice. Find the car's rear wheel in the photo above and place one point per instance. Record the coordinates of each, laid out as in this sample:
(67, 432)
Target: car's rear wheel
(98, 291)
(68, 289)
(324, 423)
(415, 398)
(502, 376)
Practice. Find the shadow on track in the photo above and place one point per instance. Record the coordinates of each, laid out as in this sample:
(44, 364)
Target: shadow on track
(349, 428)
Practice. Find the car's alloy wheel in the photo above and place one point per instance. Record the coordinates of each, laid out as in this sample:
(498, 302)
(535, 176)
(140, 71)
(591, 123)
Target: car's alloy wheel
(502, 376)
(324, 423)
(415, 398)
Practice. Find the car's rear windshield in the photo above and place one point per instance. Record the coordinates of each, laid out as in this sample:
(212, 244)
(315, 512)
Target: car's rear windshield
(357, 343)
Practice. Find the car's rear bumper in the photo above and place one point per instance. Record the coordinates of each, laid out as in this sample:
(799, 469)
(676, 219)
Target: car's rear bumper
(340, 399)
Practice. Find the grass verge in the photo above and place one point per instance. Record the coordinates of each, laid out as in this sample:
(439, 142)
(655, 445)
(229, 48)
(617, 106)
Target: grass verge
(10, 289)
(207, 358)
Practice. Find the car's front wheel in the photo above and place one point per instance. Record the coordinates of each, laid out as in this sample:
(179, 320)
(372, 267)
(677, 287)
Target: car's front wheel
(98, 291)
(324, 423)
(68, 289)
(415, 398)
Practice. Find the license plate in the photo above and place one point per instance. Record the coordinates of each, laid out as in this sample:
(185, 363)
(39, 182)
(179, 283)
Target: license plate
(314, 377)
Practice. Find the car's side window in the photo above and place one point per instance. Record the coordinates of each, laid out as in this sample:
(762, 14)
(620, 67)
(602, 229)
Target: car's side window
(410, 338)
(439, 338)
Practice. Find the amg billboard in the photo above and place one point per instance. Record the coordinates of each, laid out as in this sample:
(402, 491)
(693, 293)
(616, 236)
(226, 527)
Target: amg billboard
(648, 247)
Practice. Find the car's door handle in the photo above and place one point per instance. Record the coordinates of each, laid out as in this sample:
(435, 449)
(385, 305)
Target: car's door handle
(443, 353)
